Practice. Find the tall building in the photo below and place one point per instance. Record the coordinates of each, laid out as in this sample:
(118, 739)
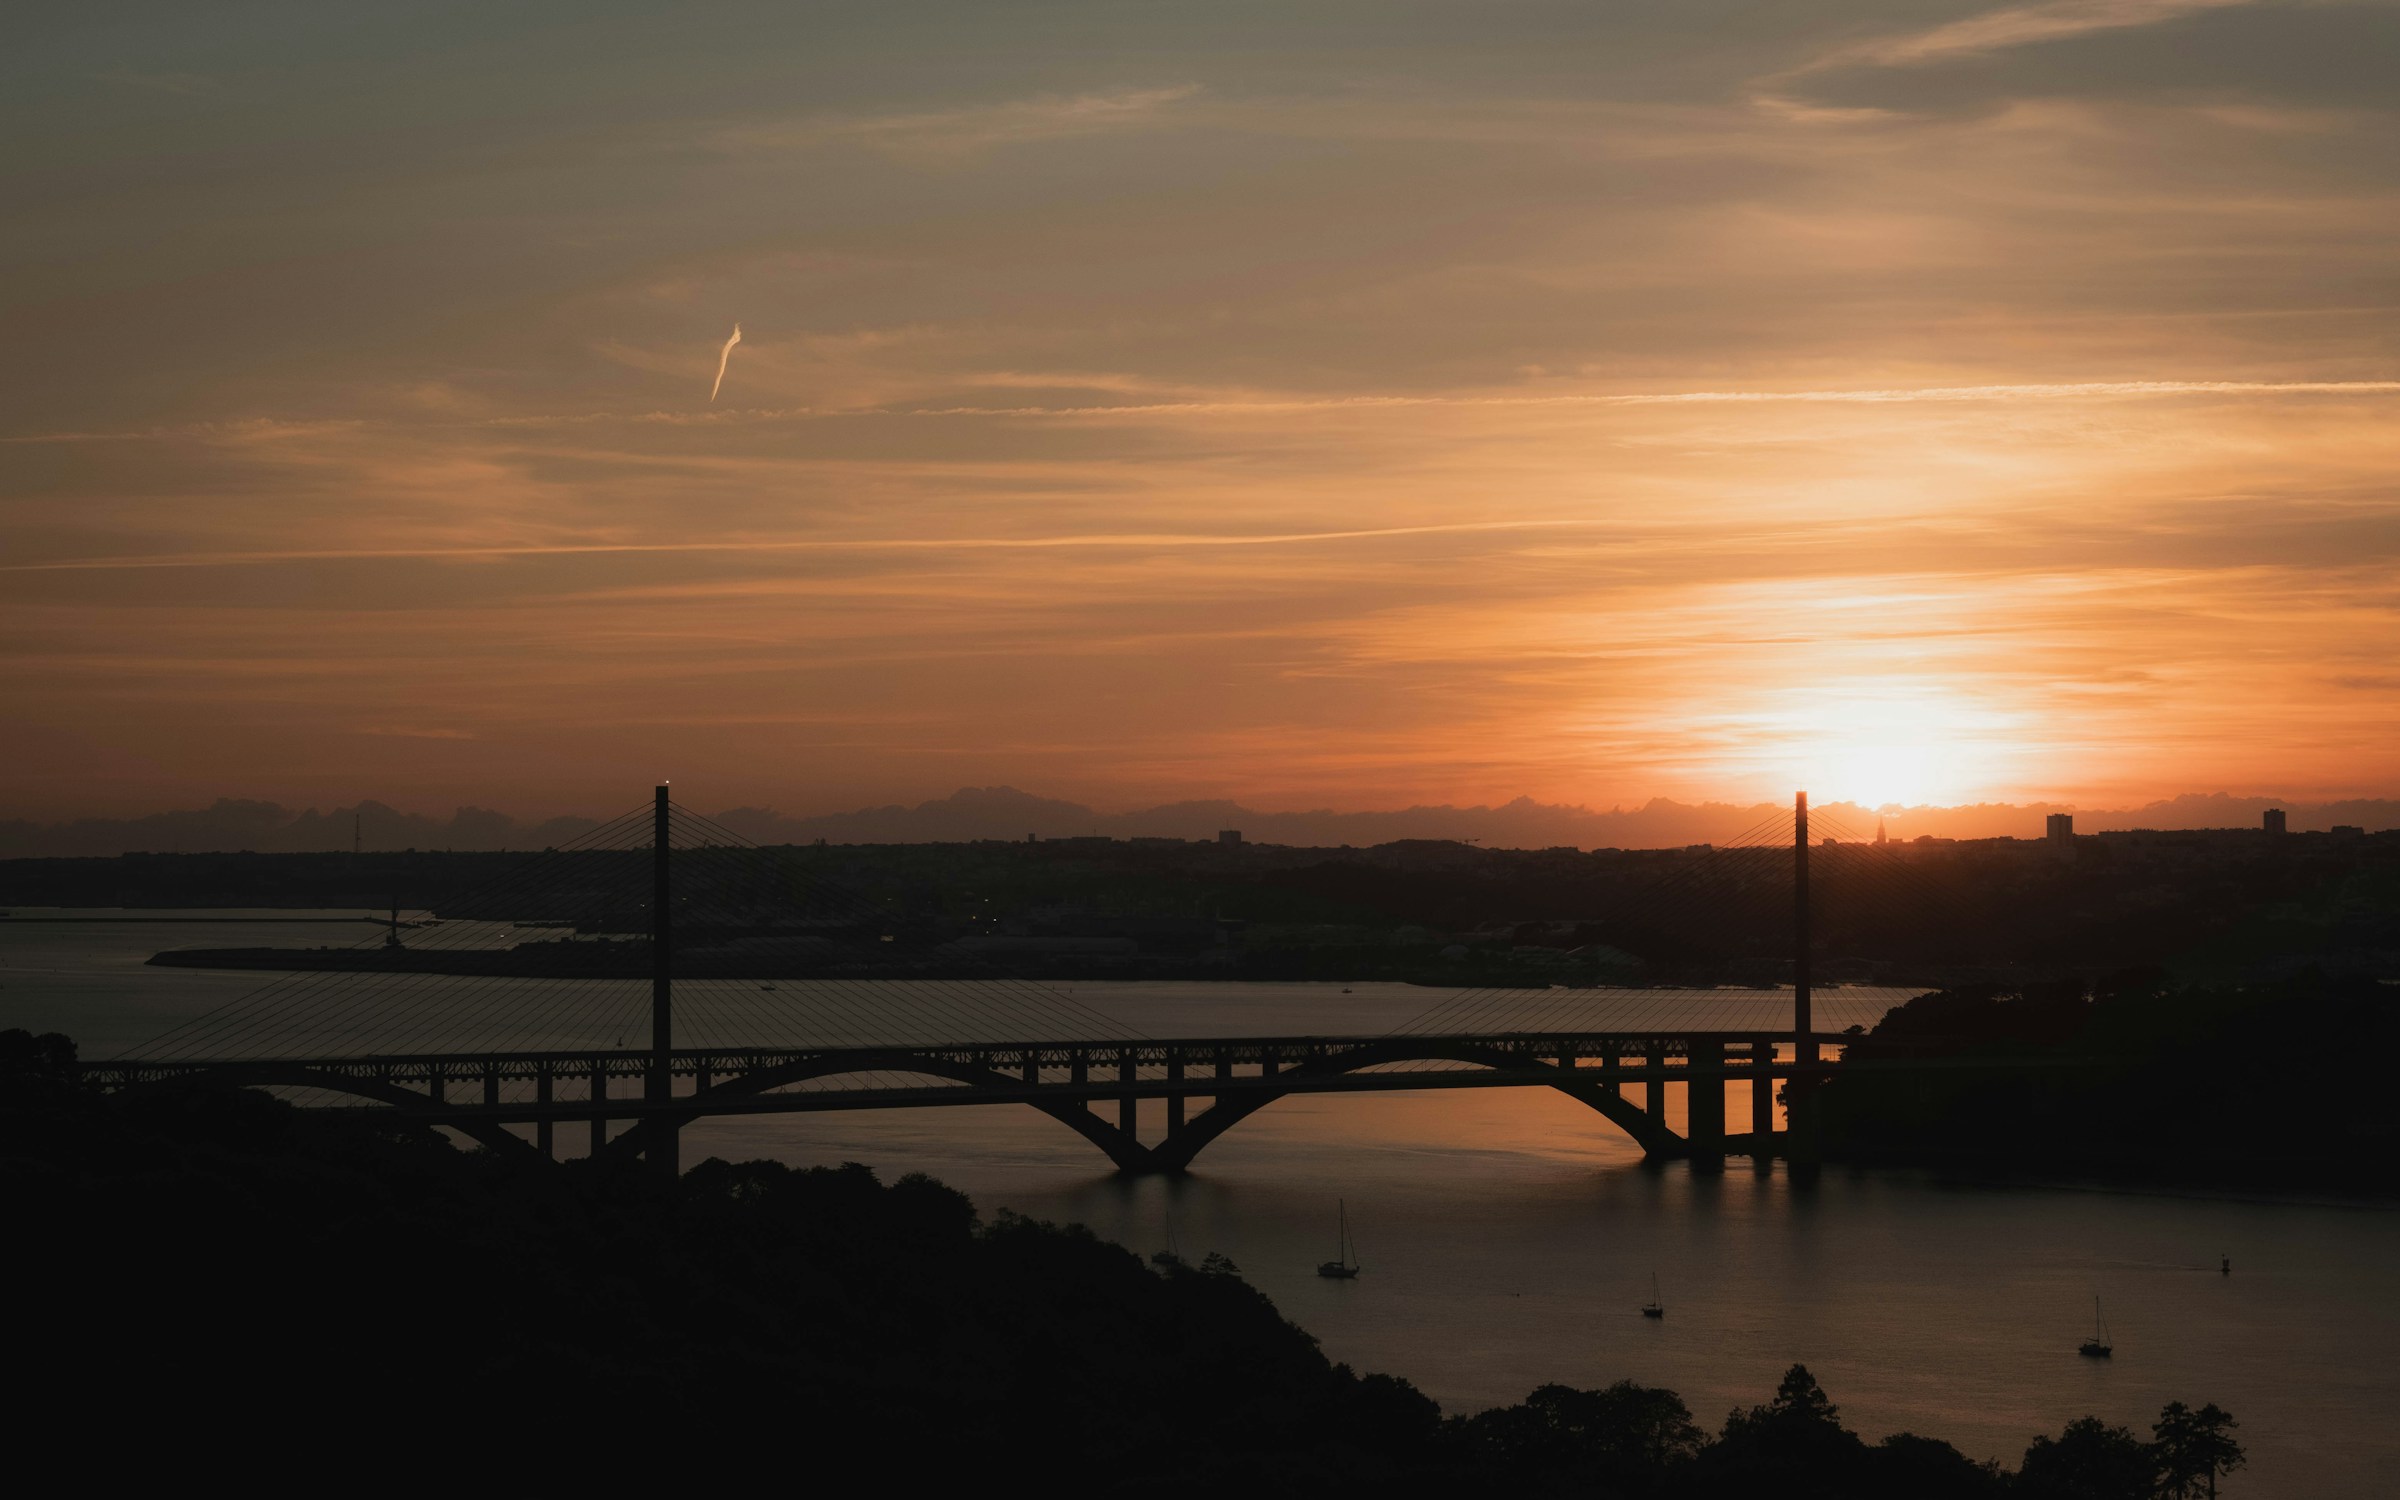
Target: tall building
(2062, 828)
(2274, 820)
(1229, 835)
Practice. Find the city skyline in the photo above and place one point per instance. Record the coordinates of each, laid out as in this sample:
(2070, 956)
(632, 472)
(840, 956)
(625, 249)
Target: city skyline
(1009, 813)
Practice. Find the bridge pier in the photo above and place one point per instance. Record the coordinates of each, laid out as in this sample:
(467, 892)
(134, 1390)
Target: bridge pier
(544, 1130)
(1128, 1117)
(1704, 1103)
(1762, 1092)
(599, 1096)
(1654, 1089)
(1174, 1101)
(1803, 1141)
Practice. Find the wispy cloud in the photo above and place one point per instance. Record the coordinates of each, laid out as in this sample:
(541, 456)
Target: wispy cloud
(953, 132)
(1112, 540)
(2015, 26)
(267, 429)
(2064, 391)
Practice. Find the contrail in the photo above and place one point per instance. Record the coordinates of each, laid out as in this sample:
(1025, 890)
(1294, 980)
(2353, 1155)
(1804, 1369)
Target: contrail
(724, 356)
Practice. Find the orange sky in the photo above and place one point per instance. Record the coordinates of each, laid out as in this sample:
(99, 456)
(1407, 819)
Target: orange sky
(1352, 404)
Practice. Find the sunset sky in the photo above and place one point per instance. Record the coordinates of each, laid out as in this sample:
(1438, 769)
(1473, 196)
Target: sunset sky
(1313, 403)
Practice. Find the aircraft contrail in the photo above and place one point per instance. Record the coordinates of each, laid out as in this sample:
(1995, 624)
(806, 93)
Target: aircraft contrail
(724, 356)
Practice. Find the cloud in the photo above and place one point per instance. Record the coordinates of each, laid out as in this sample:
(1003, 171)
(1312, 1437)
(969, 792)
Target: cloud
(2014, 26)
(2063, 391)
(268, 429)
(960, 132)
(1122, 539)
(2307, 64)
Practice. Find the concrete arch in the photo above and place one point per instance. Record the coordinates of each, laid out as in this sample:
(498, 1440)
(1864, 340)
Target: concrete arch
(407, 1102)
(1128, 1154)
(1175, 1153)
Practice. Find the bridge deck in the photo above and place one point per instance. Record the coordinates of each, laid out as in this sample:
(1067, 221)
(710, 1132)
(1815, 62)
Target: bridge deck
(491, 1087)
(1586, 1047)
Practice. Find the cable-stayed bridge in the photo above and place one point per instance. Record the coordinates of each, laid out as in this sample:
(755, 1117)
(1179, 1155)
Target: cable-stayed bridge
(662, 970)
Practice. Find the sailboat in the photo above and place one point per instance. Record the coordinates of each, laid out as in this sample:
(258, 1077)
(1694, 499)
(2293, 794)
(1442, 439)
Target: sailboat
(1654, 1308)
(1344, 1265)
(1169, 1256)
(2097, 1346)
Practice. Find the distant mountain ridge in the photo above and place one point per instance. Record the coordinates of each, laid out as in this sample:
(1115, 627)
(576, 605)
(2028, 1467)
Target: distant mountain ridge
(1003, 812)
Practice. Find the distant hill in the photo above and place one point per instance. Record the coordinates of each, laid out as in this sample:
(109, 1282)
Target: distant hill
(1007, 813)
(231, 824)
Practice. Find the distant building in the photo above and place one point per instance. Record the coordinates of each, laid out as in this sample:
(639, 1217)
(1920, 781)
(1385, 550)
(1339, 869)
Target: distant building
(2348, 831)
(2275, 821)
(1229, 835)
(1879, 838)
(2062, 828)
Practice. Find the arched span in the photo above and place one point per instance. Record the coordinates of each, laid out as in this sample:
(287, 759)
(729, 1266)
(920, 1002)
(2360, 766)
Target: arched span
(253, 1075)
(1175, 1153)
(1126, 1152)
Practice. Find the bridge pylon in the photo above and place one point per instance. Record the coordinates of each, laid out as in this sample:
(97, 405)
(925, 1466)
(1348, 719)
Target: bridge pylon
(1799, 1092)
(659, 1133)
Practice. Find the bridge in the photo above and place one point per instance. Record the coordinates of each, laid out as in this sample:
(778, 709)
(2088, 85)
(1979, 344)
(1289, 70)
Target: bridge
(1208, 1084)
(630, 1103)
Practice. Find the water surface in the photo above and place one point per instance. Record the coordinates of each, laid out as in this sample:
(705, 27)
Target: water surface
(1510, 1236)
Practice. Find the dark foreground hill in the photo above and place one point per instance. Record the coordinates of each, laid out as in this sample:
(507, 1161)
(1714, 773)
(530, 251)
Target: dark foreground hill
(213, 1286)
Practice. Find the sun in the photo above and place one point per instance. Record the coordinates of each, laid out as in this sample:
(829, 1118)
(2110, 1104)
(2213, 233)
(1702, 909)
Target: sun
(1880, 743)
(1878, 774)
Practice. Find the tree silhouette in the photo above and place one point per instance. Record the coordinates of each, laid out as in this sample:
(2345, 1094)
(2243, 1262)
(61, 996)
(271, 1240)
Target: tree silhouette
(2089, 1461)
(1795, 1443)
(2192, 1448)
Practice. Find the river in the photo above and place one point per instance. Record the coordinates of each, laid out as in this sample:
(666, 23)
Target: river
(1509, 1237)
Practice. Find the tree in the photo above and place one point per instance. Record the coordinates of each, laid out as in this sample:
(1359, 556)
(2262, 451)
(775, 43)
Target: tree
(2089, 1461)
(1624, 1438)
(48, 1058)
(1907, 1467)
(1795, 1444)
(2192, 1448)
